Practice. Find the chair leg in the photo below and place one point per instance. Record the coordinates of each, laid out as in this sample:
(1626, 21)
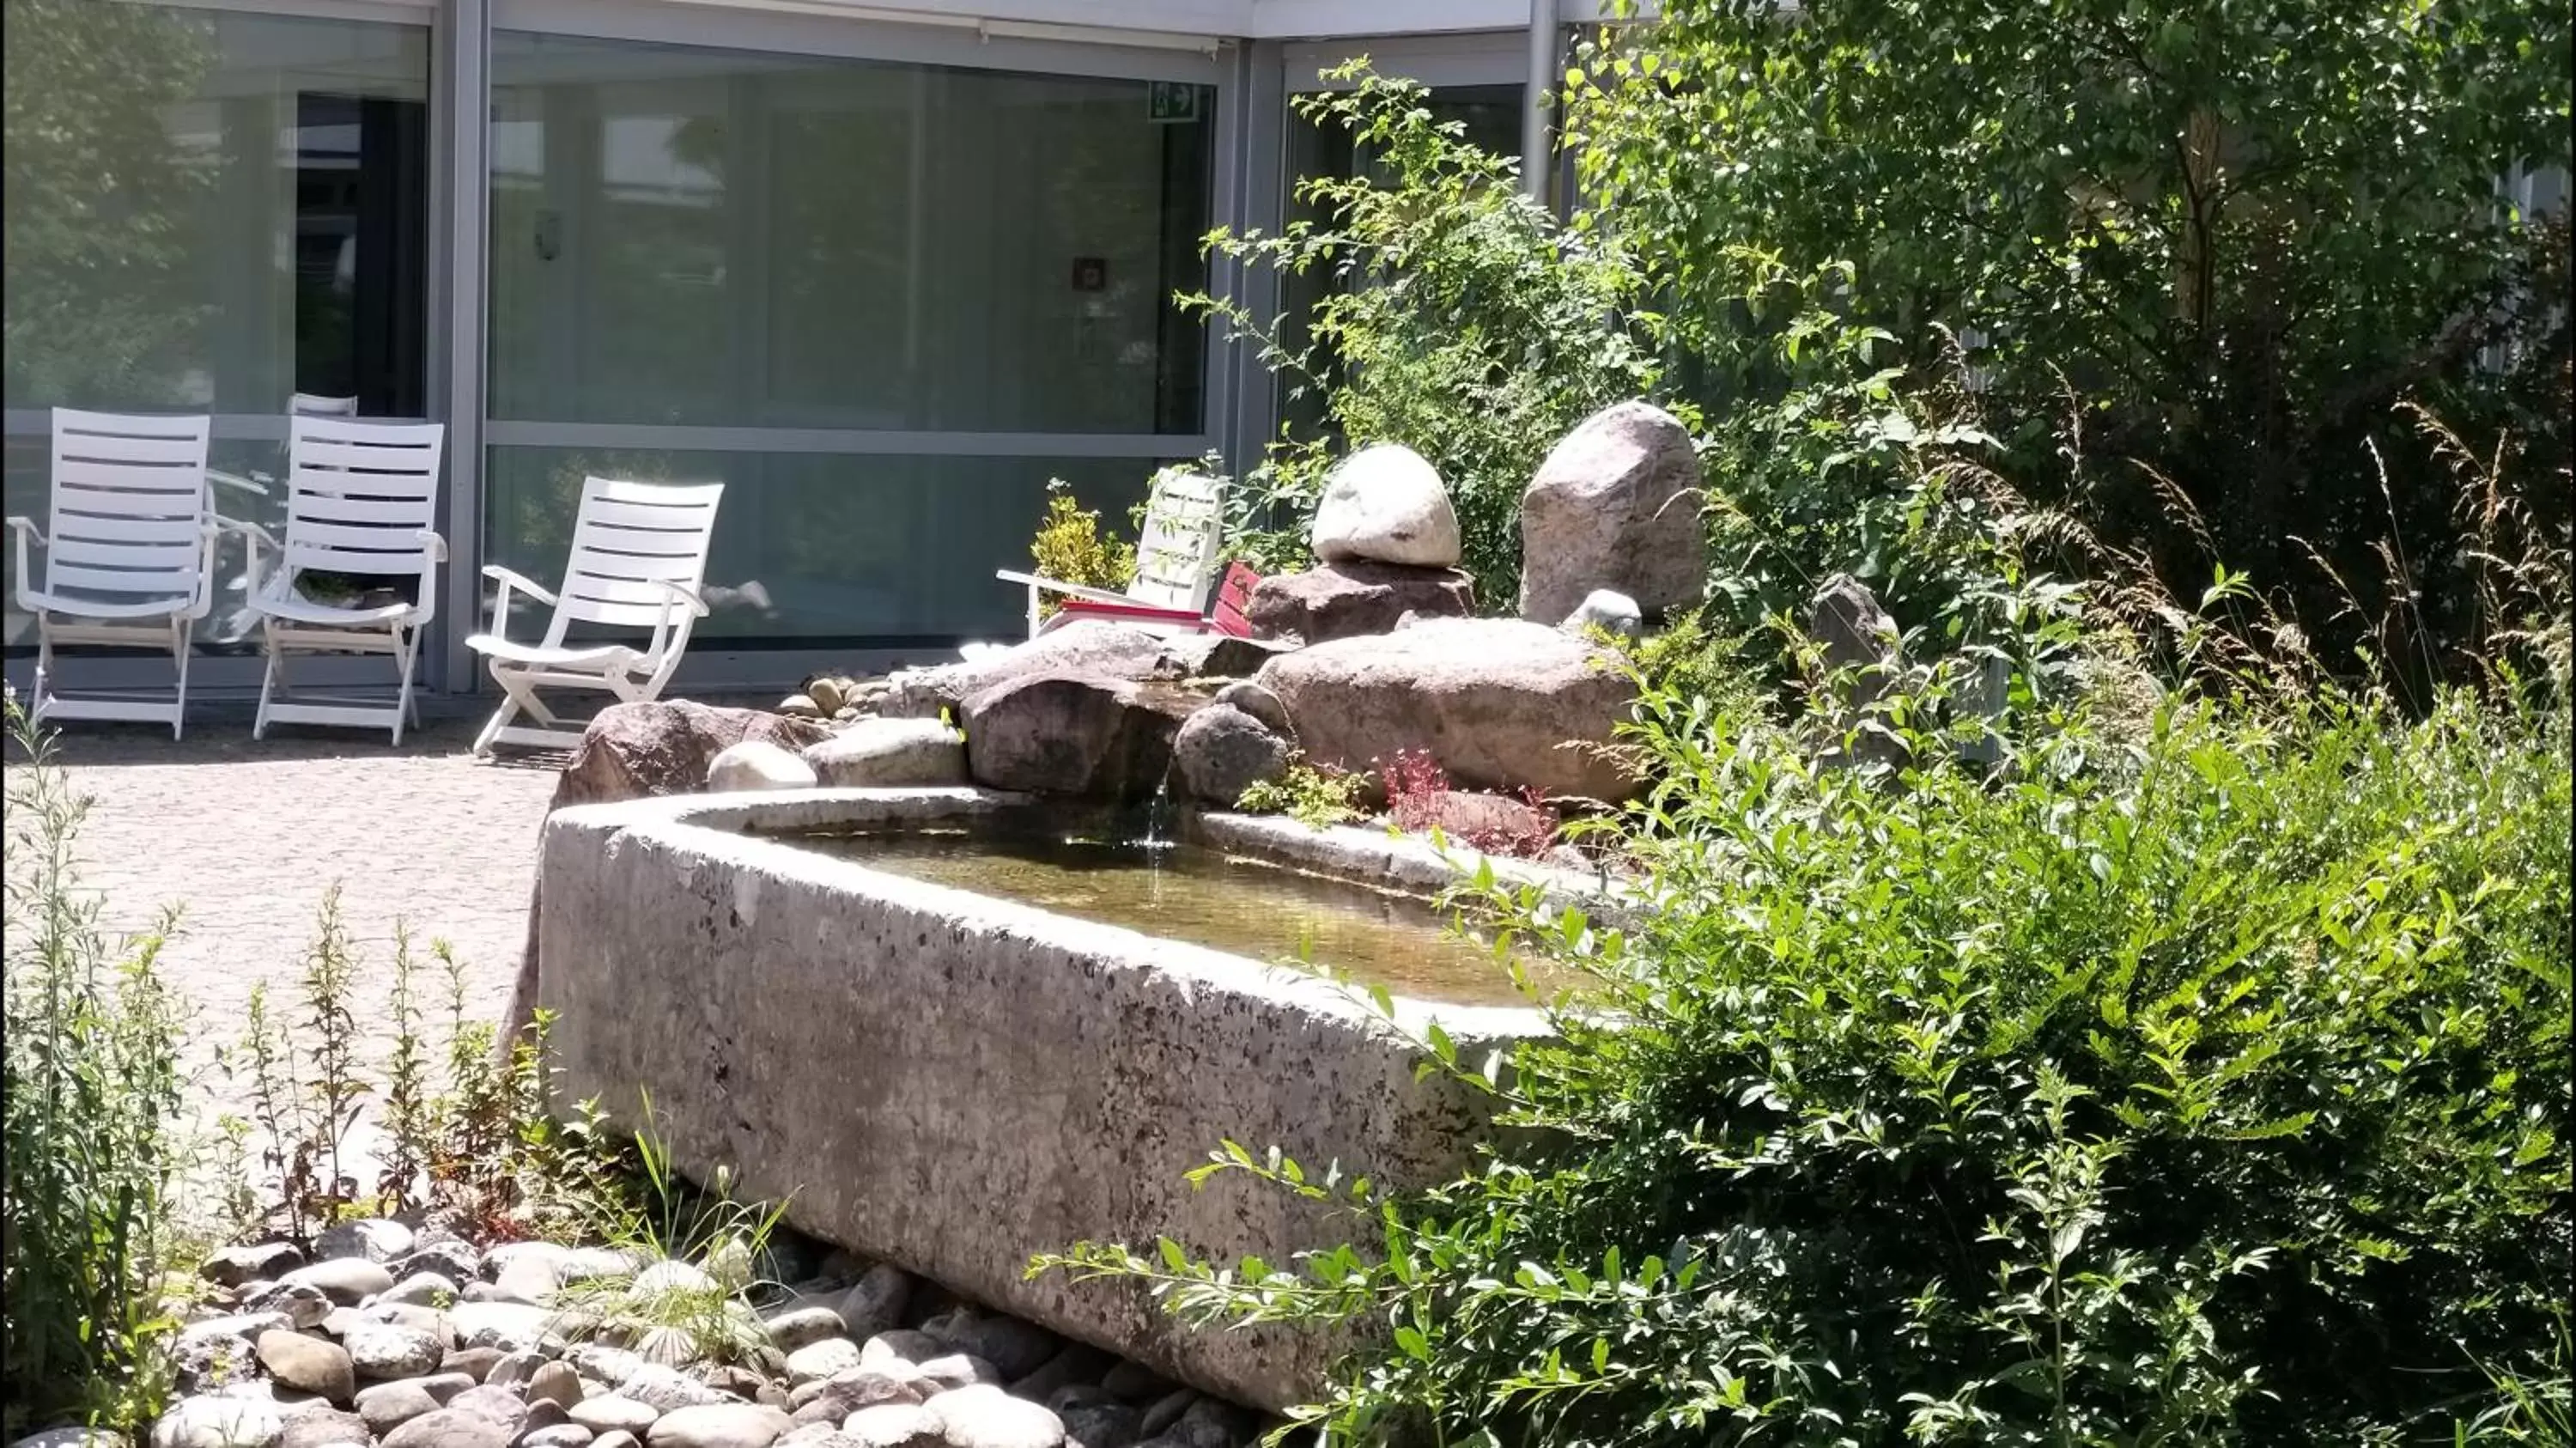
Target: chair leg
(502, 716)
(407, 643)
(42, 702)
(272, 679)
(179, 652)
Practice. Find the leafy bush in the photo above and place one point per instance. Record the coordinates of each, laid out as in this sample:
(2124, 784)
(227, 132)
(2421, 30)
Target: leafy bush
(1467, 324)
(93, 1086)
(2192, 269)
(2208, 1087)
(1315, 795)
(1069, 547)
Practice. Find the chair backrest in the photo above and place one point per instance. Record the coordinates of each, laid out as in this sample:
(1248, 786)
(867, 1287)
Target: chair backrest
(360, 494)
(628, 539)
(308, 404)
(130, 507)
(1233, 611)
(1176, 556)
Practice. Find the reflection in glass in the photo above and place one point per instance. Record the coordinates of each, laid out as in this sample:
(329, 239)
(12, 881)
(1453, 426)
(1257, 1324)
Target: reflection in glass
(213, 210)
(729, 238)
(817, 549)
(1490, 118)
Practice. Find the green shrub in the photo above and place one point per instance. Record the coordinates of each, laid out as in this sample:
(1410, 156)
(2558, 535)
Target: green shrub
(1317, 796)
(93, 1087)
(2205, 1088)
(1468, 325)
(1069, 547)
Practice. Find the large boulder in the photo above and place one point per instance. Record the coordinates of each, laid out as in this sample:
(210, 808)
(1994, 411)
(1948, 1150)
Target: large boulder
(1345, 600)
(1094, 649)
(890, 753)
(1074, 734)
(1222, 751)
(636, 751)
(1498, 703)
(1616, 505)
(1386, 504)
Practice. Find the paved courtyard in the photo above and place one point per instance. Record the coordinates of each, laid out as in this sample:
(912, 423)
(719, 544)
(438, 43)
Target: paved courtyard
(248, 836)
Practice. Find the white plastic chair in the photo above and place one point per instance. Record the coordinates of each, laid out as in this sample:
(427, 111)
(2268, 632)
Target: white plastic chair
(131, 557)
(1176, 558)
(360, 498)
(639, 555)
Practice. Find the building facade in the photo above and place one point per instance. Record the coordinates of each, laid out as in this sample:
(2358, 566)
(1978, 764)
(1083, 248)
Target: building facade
(884, 269)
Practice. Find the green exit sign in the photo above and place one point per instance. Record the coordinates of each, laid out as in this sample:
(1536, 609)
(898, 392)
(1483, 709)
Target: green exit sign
(1168, 101)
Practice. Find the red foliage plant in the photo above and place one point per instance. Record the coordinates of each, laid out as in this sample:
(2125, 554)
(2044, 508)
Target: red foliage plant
(1419, 798)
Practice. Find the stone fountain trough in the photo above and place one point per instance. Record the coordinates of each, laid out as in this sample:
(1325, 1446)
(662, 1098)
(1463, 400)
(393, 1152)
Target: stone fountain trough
(952, 1081)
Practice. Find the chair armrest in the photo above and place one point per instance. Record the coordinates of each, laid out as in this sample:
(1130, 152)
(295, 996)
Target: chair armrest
(235, 480)
(1057, 585)
(21, 530)
(249, 530)
(435, 545)
(686, 594)
(509, 579)
(24, 527)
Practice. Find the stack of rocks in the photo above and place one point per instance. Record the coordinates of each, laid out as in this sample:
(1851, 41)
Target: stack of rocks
(1610, 526)
(1388, 540)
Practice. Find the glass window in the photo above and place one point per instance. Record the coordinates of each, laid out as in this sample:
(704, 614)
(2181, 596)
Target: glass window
(824, 549)
(213, 210)
(726, 238)
(1490, 118)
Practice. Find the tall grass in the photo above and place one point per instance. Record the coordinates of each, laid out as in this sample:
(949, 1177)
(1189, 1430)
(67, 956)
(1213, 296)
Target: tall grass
(93, 1087)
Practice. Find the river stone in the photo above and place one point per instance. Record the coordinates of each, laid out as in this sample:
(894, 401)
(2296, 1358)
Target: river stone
(895, 1425)
(890, 754)
(1258, 702)
(213, 1422)
(1013, 1347)
(614, 1412)
(556, 1435)
(324, 1427)
(960, 1370)
(554, 1383)
(986, 1417)
(836, 1398)
(347, 1281)
(450, 1261)
(602, 1363)
(641, 750)
(1077, 1362)
(474, 1363)
(1609, 611)
(1133, 1382)
(875, 1303)
(378, 1239)
(514, 1370)
(1498, 703)
(421, 1289)
(1101, 1425)
(509, 1326)
(385, 1350)
(388, 1406)
(1165, 1411)
(667, 1389)
(265, 1261)
(801, 1327)
(500, 1405)
(1221, 751)
(1386, 504)
(1074, 735)
(1345, 600)
(819, 1360)
(1616, 505)
(719, 1425)
(757, 764)
(1214, 654)
(308, 1364)
(449, 1428)
(616, 1438)
(73, 1437)
(301, 1303)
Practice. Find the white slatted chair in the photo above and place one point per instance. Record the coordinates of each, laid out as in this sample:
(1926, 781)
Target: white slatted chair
(1176, 558)
(639, 556)
(130, 562)
(360, 498)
